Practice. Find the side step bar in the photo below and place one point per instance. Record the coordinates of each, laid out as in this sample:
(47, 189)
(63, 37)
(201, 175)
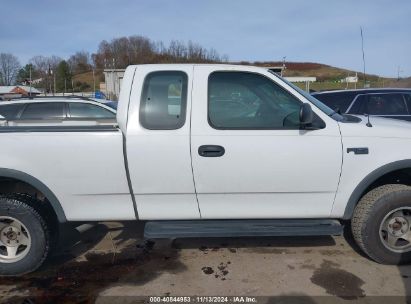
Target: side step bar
(238, 228)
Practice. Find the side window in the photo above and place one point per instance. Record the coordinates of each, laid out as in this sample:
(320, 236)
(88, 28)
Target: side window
(336, 101)
(386, 104)
(408, 100)
(358, 106)
(10, 111)
(84, 110)
(240, 100)
(45, 110)
(163, 101)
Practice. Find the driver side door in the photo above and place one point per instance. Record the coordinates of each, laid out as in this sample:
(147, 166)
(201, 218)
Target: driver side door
(268, 167)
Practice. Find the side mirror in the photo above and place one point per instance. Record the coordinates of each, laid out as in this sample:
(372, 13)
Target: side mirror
(306, 114)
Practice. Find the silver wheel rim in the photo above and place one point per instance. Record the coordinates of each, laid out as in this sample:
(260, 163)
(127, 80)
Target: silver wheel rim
(395, 230)
(15, 240)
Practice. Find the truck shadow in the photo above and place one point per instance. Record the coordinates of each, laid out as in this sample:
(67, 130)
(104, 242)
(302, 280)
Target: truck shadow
(79, 269)
(280, 244)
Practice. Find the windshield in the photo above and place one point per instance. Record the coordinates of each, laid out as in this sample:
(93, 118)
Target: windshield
(330, 112)
(112, 104)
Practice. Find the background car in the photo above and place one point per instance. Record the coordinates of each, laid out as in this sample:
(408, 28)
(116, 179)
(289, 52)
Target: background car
(390, 103)
(54, 110)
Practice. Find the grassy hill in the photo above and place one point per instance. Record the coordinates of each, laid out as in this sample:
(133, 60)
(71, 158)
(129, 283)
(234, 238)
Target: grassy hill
(329, 77)
(85, 82)
(323, 72)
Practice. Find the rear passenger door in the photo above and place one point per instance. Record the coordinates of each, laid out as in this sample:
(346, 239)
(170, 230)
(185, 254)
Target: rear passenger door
(158, 143)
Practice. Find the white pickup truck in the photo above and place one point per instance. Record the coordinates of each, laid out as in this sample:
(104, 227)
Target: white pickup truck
(209, 150)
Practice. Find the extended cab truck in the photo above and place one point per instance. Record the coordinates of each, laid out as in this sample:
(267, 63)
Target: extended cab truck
(209, 150)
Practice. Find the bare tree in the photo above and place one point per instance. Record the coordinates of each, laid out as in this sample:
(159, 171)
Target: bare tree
(80, 62)
(9, 68)
(123, 51)
(46, 67)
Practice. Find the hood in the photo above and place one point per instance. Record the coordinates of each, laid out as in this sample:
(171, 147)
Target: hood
(381, 127)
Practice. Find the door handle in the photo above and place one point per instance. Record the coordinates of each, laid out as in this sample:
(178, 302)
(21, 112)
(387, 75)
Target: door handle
(211, 151)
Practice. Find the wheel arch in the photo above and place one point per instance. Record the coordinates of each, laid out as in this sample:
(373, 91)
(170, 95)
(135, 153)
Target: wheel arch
(36, 184)
(372, 179)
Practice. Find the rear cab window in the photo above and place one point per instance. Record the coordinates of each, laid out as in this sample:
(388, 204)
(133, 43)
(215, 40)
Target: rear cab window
(163, 101)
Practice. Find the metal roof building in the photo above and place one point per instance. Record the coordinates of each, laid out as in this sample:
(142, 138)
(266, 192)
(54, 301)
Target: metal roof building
(7, 92)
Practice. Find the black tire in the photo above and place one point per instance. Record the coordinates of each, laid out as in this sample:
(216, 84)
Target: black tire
(367, 218)
(14, 206)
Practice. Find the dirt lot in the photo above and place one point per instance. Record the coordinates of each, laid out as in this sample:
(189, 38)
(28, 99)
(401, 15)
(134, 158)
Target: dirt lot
(104, 263)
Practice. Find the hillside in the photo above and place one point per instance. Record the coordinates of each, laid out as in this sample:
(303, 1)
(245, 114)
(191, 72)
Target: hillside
(85, 82)
(323, 72)
(329, 77)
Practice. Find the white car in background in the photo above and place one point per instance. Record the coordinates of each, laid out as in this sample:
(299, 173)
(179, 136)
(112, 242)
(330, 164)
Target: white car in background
(57, 110)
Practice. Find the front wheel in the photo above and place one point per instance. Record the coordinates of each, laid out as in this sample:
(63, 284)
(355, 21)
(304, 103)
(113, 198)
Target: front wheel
(24, 237)
(381, 224)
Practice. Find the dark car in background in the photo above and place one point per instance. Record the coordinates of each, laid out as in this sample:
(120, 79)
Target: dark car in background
(390, 103)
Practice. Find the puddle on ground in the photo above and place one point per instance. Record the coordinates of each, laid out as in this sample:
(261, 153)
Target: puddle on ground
(207, 270)
(220, 273)
(81, 282)
(338, 282)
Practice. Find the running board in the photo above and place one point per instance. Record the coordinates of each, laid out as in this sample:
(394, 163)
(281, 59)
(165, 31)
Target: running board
(238, 228)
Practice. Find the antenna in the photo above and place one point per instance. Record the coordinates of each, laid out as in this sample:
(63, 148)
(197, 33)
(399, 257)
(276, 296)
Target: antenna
(30, 80)
(368, 124)
(363, 56)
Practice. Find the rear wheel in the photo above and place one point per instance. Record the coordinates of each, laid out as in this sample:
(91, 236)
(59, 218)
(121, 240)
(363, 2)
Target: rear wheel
(24, 237)
(381, 224)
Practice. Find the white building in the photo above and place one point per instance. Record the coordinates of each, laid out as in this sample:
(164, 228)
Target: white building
(113, 80)
(306, 80)
(350, 79)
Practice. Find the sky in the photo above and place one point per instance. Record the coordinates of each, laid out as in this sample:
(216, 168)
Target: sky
(253, 30)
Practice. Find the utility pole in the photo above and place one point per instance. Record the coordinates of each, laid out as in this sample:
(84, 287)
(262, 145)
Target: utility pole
(54, 80)
(94, 84)
(46, 82)
(398, 72)
(30, 80)
(283, 68)
(363, 56)
(113, 78)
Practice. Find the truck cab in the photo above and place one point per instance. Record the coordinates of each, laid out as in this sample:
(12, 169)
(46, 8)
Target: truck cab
(209, 150)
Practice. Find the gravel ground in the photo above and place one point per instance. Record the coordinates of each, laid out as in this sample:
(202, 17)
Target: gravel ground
(111, 263)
